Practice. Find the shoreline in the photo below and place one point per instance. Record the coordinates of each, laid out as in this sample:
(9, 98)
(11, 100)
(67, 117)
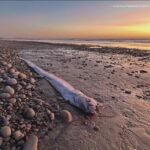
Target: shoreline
(87, 47)
(121, 82)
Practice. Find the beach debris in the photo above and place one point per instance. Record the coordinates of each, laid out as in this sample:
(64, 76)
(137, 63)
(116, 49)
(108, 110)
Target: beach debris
(68, 92)
(5, 131)
(31, 143)
(66, 116)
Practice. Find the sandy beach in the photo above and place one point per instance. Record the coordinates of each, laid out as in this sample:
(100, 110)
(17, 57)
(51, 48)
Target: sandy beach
(119, 78)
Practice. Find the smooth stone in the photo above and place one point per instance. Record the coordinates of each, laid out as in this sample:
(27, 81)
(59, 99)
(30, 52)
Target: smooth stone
(51, 114)
(22, 76)
(9, 65)
(10, 90)
(29, 86)
(1, 141)
(12, 70)
(23, 96)
(66, 116)
(18, 135)
(31, 143)
(12, 81)
(5, 95)
(1, 80)
(19, 87)
(12, 100)
(29, 93)
(4, 63)
(5, 131)
(2, 71)
(32, 81)
(29, 113)
(15, 74)
(5, 121)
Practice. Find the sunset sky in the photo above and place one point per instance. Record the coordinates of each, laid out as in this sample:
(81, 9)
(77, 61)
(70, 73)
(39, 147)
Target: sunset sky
(70, 19)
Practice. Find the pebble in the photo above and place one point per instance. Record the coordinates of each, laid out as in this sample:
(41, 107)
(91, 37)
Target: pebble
(12, 70)
(23, 96)
(1, 141)
(12, 81)
(22, 76)
(5, 95)
(5, 131)
(10, 90)
(51, 114)
(32, 81)
(4, 63)
(29, 86)
(15, 74)
(66, 116)
(18, 135)
(19, 87)
(9, 65)
(29, 113)
(12, 100)
(31, 143)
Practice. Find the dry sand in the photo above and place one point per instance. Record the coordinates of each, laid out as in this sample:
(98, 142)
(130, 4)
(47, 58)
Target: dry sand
(120, 81)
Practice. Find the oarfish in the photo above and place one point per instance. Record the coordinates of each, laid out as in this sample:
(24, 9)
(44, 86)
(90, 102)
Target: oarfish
(67, 91)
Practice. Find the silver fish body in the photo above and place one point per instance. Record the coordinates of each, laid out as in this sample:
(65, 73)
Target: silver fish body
(68, 92)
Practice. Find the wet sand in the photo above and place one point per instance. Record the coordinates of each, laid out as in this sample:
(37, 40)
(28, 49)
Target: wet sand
(118, 79)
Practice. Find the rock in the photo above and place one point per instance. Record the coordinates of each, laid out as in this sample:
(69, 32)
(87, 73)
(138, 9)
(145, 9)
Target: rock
(29, 86)
(22, 76)
(5, 121)
(12, 70)
(9, 65)
(32, 81)
(15, 74)
(51, 114)
(12, 81)
(5, 95)
(31, 143)
(1, 141)
(29, 113)
(18, 135)
(19, 87)
(9, 90)
(23, 96)
(2, 71)
(4, 63)
(1, 80)
(12, 100)
(66, 116)
(5, 131)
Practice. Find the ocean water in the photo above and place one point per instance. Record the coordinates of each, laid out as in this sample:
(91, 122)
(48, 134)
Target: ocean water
(133, 44)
